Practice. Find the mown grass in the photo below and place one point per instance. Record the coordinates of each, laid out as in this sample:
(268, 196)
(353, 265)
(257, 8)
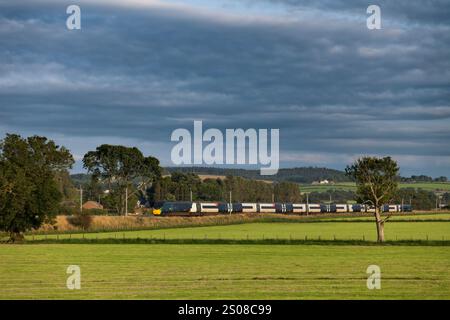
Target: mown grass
(223, 272)
(280, 230)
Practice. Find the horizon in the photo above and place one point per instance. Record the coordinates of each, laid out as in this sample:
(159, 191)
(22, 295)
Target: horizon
(257, 169)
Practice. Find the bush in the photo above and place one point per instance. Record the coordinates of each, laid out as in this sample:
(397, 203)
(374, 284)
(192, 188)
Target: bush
(68, 210)
(81, 220)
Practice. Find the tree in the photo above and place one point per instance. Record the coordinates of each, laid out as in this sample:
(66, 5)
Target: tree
(119, 167)
(287, 192)
(376, 181)
(418, 198)
(29, 192)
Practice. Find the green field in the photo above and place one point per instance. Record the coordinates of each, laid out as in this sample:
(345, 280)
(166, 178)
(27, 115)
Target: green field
(223, 272)
(341, 186)
(287, 230)
(350, 186)
(237, 271)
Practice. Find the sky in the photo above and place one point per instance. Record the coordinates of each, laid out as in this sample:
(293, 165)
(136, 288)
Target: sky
(137, 70)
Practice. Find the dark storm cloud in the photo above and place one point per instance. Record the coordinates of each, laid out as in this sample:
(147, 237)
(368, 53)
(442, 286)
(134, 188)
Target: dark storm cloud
(334, 87)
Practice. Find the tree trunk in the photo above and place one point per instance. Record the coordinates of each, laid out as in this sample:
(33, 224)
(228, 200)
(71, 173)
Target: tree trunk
(380, 225)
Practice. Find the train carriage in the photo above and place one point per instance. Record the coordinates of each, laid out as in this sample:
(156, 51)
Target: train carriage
(355, 208)
(315, 208)
(177, 207)
(267, 208)
(299, 208)
(342, 208)
(208, 207)
(225, 207)
(390, 208)
(405, 208)
(249, 207)
(368, 208)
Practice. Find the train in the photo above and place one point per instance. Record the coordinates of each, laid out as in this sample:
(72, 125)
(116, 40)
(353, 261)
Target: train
(206, 208)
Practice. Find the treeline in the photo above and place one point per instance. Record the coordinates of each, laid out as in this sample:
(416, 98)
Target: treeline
(299, 175)
(334, 196)
(418, 198)
(423, 178)
(186, 186)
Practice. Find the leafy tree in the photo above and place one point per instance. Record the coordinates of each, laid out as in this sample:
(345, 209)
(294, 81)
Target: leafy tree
(119, 167)
(65, 185)
(29, 192)
(287, 192)
(376, 181)
(210, 190)
(418, 198)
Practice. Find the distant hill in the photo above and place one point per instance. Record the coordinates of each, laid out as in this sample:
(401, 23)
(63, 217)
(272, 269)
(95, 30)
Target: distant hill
(80, 178)
(304, 175)
(299, 175)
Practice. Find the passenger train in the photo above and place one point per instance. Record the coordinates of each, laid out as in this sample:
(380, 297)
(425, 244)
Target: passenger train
(200, 208)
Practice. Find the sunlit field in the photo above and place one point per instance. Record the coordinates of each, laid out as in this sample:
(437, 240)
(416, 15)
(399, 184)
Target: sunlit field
(315, 230)
(223, 272)
(37, 270)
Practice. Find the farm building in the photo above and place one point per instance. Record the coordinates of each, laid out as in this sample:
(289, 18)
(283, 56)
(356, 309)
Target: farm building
(92, 205)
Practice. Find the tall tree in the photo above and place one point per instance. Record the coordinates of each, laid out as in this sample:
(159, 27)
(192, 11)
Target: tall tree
(119, 167)
(287, 192)
(376, 181)
(29, 192)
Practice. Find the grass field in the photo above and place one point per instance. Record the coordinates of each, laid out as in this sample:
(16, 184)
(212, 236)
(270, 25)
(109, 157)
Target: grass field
(349, 186)
(288, 230)
(238, 271)
(223, 272)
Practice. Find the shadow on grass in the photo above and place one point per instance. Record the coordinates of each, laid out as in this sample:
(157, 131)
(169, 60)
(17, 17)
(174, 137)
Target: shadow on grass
(241, 242)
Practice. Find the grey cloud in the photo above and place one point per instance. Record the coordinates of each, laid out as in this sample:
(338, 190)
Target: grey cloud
(406, 11)
(138, 74)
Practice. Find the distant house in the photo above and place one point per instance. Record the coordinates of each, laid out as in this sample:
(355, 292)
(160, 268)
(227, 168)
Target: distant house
(324, 181)
(92, 205)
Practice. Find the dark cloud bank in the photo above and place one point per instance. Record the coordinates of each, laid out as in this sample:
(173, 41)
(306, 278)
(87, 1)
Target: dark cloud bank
(134, 73)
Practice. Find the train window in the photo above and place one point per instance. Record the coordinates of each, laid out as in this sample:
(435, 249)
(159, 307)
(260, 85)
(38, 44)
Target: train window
(209, 206)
